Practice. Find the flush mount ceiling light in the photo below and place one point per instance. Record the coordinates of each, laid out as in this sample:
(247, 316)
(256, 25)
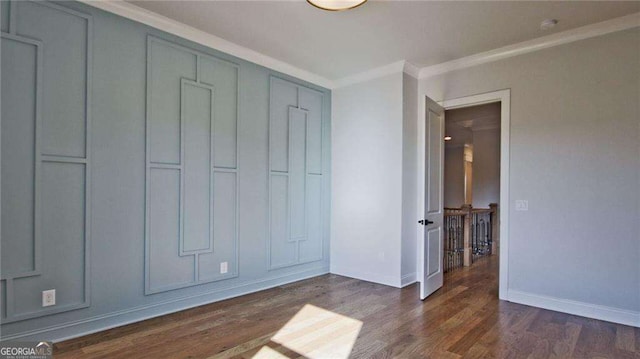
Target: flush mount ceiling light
(447, 138)
(336, 5)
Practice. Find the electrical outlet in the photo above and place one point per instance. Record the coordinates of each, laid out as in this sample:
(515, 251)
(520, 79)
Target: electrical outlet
(522, 205)
(48, 297)
(224, 267)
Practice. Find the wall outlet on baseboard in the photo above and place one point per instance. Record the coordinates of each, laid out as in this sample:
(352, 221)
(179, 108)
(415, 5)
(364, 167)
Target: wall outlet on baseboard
(48, 297)
(224, 267)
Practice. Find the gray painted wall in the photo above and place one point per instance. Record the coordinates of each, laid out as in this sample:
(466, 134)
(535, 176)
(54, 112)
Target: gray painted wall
(134, 163)
(486, 167)
(575, 156)
(454, 176)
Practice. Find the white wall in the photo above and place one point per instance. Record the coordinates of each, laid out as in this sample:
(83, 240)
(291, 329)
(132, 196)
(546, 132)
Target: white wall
(367, 157)
(454, 177)
(409, 178)
(486, 168)
(575, 156)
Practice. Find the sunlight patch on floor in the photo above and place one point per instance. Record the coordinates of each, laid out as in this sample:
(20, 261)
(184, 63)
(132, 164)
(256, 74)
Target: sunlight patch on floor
(315, 333)
(268, 353)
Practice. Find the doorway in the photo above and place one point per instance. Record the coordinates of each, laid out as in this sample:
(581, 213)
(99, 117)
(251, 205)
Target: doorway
(431, 203)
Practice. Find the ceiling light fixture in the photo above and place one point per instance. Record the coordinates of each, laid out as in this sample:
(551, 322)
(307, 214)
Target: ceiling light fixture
(336, 5)
(447, 138)
(548, 24)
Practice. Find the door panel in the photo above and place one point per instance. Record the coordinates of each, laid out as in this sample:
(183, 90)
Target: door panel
(431, 252)
(435, 136)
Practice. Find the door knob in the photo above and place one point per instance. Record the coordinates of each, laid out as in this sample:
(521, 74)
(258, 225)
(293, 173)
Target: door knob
(425, 222)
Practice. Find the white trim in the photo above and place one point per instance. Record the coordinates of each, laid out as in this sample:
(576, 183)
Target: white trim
(504, 97)
(411, 70)
(138, 14)
(356, 273)
(171, 26)
(393, 68)
(600, 312)
(564, 37)
(408, 279)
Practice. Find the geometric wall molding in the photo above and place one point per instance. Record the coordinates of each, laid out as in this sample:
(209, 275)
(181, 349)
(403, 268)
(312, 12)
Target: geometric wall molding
(295, 175)
(191, 217)
(46, 158)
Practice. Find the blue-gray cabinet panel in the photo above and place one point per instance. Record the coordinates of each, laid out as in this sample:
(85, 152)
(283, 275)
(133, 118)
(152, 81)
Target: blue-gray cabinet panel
(19, 90)
(282, 251)
(46, 167)
(197, 112)
(192, 132)
(296, 188)
(297, 174)
(312, 102)
(110, 226)
(64, 102)
(4, 16)
(63, 217)
(311, 247)
(283, 95)
(225, 247)
(3, 298)
(166, 268)
(223, 76)
(167, 66)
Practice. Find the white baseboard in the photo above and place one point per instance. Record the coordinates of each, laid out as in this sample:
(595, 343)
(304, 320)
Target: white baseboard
(367, 276)
(107, 321)
(408, 279)
(595, 311)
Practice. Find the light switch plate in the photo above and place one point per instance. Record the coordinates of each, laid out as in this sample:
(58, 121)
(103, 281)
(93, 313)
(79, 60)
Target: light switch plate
(522, 205)
(224, 267)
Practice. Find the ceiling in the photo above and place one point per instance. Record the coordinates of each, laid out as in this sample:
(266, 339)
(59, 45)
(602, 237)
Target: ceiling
(339, 44)
(461, 123)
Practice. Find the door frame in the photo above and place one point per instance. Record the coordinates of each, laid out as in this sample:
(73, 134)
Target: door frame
(504, 97)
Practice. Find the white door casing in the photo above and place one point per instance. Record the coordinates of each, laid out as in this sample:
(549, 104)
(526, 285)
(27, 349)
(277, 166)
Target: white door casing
(504, 97)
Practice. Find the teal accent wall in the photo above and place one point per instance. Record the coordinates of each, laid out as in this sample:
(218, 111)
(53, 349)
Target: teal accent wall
(134, 164)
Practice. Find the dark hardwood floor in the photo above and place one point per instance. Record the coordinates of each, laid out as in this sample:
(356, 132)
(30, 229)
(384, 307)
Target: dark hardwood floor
(464, 319)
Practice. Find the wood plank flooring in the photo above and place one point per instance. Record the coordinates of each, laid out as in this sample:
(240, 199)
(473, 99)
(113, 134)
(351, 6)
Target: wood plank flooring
(323, 316)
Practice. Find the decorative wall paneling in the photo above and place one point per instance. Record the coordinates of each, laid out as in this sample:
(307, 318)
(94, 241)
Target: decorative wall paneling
(295, 175)
(191, 167)
(46, 158)
(145, 153)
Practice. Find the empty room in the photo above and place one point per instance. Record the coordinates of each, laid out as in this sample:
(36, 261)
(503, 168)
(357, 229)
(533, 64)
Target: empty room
(319, 179)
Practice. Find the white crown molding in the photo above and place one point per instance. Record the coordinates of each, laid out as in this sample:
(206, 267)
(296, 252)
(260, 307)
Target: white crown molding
(393, 68)
(166, 24)
(411, 70)
(564, 37)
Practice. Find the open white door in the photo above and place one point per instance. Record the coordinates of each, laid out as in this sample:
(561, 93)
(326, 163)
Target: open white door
(431, 242)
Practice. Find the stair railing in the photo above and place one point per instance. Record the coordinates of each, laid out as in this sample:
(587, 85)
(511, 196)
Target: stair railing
(469, 233)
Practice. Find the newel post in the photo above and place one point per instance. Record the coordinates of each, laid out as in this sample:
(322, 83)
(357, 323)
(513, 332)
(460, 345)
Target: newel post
(466, 208)
(495, 228)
